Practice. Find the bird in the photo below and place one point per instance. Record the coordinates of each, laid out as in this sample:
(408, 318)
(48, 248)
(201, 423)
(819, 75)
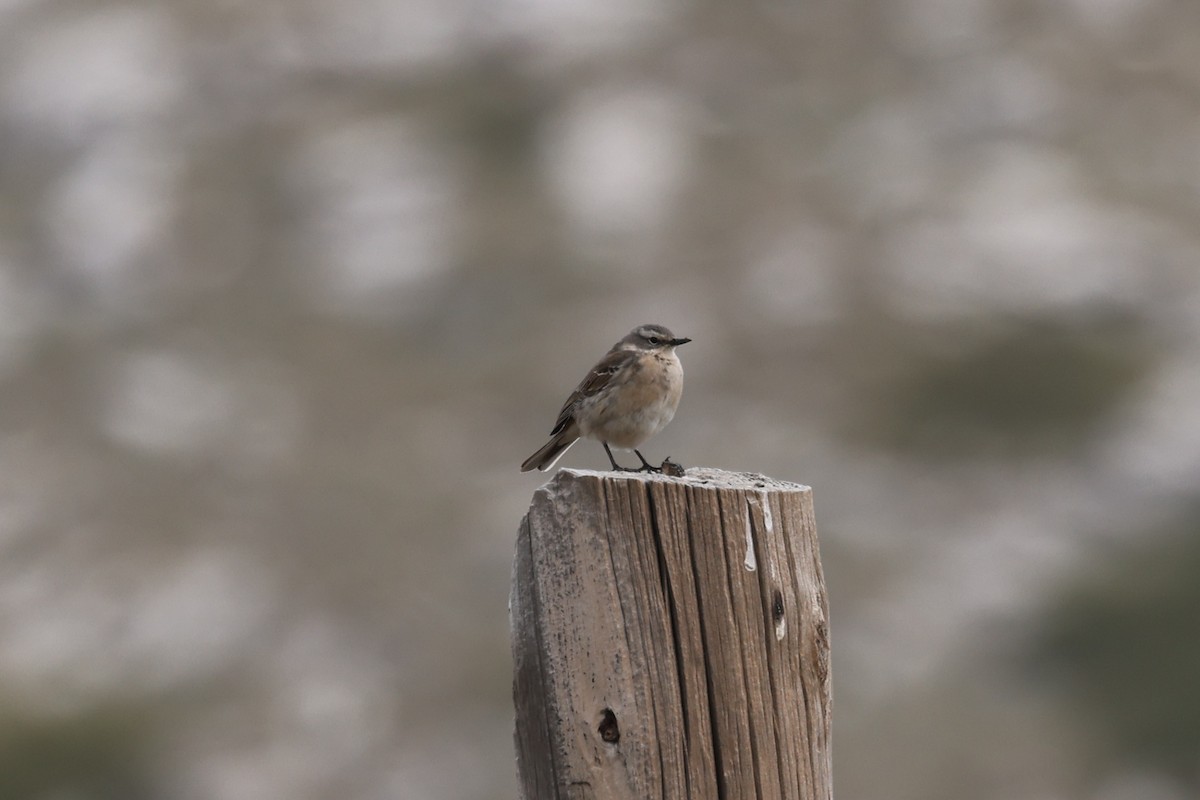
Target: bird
(630, 395)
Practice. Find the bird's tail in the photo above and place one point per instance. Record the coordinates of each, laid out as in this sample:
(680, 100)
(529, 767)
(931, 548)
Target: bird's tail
(550, 452)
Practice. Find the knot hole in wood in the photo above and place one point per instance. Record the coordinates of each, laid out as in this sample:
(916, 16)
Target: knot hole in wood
(608, 728)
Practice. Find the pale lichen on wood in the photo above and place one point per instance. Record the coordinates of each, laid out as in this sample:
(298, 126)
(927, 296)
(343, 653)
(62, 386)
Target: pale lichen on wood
(670, 640)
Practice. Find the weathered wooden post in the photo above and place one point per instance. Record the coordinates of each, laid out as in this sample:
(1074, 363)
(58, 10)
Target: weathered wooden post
(670, 640)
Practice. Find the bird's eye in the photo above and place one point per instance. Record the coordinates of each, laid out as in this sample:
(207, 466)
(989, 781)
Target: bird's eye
(653, 340)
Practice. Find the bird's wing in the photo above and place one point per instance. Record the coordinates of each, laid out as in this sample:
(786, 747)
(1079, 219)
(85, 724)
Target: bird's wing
(595, 381)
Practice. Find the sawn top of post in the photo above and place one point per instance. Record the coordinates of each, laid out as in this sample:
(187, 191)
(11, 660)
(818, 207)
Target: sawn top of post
(696, 476)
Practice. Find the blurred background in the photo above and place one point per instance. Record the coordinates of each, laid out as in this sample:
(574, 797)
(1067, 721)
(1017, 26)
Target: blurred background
(288, 289)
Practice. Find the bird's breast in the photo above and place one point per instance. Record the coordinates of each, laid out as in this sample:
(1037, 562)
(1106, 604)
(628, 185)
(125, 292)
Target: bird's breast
(639, 404)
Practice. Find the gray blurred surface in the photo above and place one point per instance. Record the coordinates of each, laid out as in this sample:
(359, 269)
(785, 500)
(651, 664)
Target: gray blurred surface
(289, 289)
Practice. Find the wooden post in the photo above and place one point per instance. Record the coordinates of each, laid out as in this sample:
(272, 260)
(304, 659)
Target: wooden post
(670, 640)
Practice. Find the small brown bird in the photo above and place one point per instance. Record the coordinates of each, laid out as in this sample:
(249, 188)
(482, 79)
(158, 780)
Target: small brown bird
(628, 397)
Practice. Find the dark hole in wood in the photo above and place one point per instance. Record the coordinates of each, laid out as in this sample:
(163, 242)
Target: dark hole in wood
(609, 731)
(777, 606)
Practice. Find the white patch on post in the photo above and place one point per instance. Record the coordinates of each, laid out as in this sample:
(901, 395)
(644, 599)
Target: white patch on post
(751, 560)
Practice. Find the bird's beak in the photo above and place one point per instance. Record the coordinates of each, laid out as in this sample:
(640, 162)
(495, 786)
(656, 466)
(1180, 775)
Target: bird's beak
(677, 342)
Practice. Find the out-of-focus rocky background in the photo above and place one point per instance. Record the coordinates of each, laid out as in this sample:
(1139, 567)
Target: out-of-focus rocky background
(289, 288)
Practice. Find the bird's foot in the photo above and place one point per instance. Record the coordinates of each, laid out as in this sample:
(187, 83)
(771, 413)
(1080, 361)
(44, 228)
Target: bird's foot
(646, 465)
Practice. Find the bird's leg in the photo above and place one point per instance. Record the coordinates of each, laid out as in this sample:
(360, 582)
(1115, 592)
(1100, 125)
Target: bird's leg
(617, 467)
(646, 465)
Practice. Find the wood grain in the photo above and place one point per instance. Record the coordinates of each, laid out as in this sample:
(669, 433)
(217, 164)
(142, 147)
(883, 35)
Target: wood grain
(670, 640)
